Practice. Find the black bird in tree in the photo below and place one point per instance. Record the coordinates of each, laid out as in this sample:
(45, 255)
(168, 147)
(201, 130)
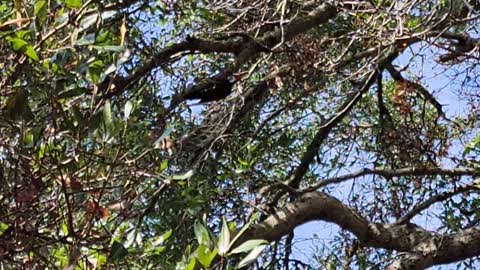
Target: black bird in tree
(215, 89)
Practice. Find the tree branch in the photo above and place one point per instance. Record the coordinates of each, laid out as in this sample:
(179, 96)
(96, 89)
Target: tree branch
(437, 198)
(412, 171)
(191, 45)
(424, 248)
(322, 133)
(397, 76)
(246, 50)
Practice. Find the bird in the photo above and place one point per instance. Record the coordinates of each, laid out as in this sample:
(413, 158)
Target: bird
(216, 89)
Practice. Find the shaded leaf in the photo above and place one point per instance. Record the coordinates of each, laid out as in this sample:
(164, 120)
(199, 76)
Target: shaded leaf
(117, 251)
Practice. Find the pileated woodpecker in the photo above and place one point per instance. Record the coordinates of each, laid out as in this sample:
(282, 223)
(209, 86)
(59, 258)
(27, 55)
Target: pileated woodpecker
(216, 89)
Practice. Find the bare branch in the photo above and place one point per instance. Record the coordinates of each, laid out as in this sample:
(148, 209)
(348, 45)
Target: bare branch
(437, 198)
(414, 171)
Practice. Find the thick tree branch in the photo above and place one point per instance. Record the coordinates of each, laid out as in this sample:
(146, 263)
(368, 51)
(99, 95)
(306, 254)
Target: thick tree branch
(445, 249)
(424, 248)
(316, 17)
(245, 49)
(191, 45)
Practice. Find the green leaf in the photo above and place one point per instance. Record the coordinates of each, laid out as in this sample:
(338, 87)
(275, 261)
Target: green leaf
(42, 151)
(64, 228)
(241, 232)
(413, 22)
(94, 70)
(109, 48)
(40, 8)
(224, 238)
(28, 140)
(205, 256)
(87, 22)
(30, 52)
(73, 3)
(248, 245)
(162, 238)
(127, 110)
(107, 114)
(201, 233)
(252, 256)
(92, 19)
(61, 256)
(20, 45)
(3, 227)
(163, 166)
(69, 93)
(182, 176)
(159, 250)
(191, 264)
(118, 251)
(39, 5)
(472, 145)
(134, 236)
(17, 43)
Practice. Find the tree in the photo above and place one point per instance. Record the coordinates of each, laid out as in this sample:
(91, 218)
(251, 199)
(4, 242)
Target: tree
(199, 134)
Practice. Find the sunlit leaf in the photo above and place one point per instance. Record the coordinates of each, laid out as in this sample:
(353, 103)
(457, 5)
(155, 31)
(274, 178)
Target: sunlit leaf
(107, 114)
(30, 52)
(205, 256)
(162, 238)
(123, 30)
(39, 7)
(95, 70)
(163, 166)
(248, 245)
(127, 110)
(201, 234)
(252, 256)
(73, 3)
(182, 176)
(224, 238)
(109, 48)
(3, 227)
(17, 43)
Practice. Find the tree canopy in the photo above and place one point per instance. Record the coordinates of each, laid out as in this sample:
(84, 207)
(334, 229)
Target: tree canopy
(171, 134)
